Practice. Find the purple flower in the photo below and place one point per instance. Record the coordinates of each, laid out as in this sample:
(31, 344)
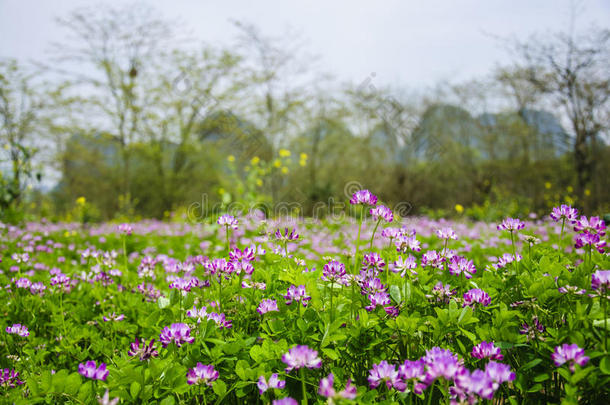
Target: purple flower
(476, 295)
(301, 356)
(288, 235)
(90, 370)
(499, 373)
(228, 221)
(327, 390)
(142, 350)
(511, 225)
(125, 229)
(334, 271)
(534, 330)
(379, 298)
(298, 294)
(18, 329)
(113, 317)
(23, 283)
(433, 259)
(593, 225)
(37, 288)
(446, 233)
(591, 239)
(274, 382)
(441, 363)
(571, 289)
(382, 212)
(201, 374)
(9, 378)
(385, 373)
(571, 354)
(487, 350)
(285, 401)
(401, 266)
(564, 213)
(105, 400)
(412, 369)
(179, 333)
(364, 197)
(404, 242)
(267, 305)
(506, 259)
(442, 292)
(600, 280)
(372, 261)
(460, 265)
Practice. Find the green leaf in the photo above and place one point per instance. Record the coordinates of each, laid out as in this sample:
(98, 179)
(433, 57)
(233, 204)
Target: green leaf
(219, 387)
(168, 401)
(330, 353)
(531, 364)
(604, 365)
(395, 293)
(134, 389)
(163, 302)
(73, 383)
(85, 391)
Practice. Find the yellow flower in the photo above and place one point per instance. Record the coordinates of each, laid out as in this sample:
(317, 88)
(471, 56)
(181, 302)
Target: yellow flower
(303, 162)
(277, 163)
(587, 192)
(255, 160)
(459, 208)
(570, 189)
(6, 146)
(81, 201)
(285, 170)
(304, 156)
(231, 158)
(284, 153)
(259, 182)
(66, 234)
(547, 185)
(221, 191)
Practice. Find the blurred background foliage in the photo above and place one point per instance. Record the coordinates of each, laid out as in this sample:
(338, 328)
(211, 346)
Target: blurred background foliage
(133, 121)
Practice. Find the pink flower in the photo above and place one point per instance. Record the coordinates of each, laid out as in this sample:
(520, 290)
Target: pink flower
(90, 370)
(571, 354)
(301, 356)
(201, 374)
(274, 382)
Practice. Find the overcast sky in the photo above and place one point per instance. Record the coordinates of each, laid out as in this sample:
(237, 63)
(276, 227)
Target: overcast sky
(406, 42)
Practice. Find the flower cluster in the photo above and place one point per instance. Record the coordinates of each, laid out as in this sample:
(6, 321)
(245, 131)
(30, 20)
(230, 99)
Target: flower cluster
(460, 265)
(18, 329)
(178, 333)
(203, 314)
(476, 296)
(273, 382)
(364, 197)
(144, 351)
(9, 378)
(592, 232)
(327, 390)
(201, 374)
(90, 370)
(334, 272)
(228, 221)
(511, 225)
(571, 354)
(487, 350)
(301, 356)
(267, 305)
(297, 294)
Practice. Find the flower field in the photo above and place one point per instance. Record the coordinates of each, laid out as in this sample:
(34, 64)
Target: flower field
(375, 309)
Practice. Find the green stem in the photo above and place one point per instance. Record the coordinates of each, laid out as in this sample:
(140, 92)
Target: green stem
(358, 241)
(331, 303)
(605, 306)
(373, 235)
(125, 252)
(304, 388)
(563, 222)
(227, 237)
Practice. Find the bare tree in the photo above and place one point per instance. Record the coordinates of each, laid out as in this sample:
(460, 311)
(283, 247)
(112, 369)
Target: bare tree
(20, 108)
(107, 59)
(573, 71)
